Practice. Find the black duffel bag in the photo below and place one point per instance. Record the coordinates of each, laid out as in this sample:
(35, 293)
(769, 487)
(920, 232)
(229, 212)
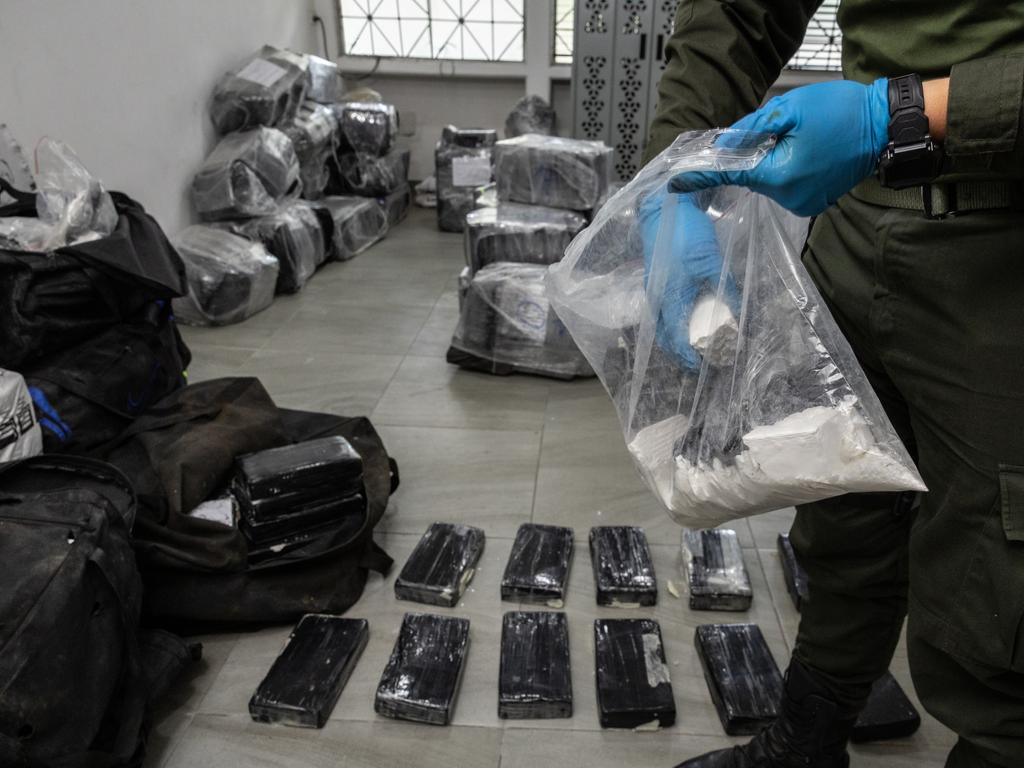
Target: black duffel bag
(197, 573)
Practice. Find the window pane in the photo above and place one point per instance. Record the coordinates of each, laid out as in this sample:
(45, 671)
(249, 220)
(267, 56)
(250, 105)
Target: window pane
(822, 46)
(565, 15)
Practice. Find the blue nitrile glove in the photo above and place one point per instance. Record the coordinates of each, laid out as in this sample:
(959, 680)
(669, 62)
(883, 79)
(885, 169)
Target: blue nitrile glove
(679, 267)
(829, 137)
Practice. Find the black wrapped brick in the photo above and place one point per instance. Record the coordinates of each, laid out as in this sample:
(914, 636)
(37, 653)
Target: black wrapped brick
(292, 468)
(796, 578)
(442, 565)
(623, 570)
(887, 715)
(715, 572)
(272, 528)
(538, 566)
(535, 679)
(634, 689)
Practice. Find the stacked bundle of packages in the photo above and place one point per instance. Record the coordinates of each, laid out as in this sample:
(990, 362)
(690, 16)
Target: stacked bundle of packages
(463, 161)
(368, 162)
(289, 495)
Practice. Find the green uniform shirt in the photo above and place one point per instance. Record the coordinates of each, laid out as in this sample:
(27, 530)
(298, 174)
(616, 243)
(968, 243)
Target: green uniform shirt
(725, 54)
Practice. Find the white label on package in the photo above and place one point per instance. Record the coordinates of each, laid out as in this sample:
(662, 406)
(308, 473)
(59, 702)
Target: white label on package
(262, 72)
(471, 171)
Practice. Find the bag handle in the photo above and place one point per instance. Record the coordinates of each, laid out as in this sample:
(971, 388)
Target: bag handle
(20, 196)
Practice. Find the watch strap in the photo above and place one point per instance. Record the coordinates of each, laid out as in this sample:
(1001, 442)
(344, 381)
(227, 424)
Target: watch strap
(907, 121)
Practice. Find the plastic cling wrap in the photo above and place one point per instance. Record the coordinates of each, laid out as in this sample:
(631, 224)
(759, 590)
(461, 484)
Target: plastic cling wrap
(306, 680)
(463, 161)
(229, 278)
(715, 571)
(889, 714)
(358, 223)
(525, 234)
(260, 91)
(68, 197)
(531, 114)
(549, 170)
(623, 570)
(779, 411)
(314, 135)
(422, 676)
(634, 687)
(794, 575)
(20, 435)
(742, 676)
(535, 679)
(442, 565)
(323, 80)
(370, 175)
(396, 204)
(299, 468)
(367, 127)
(538, 566)
(507, 325)
(247, 174)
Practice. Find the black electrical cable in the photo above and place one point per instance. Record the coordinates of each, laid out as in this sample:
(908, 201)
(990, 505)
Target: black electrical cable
(323, 33)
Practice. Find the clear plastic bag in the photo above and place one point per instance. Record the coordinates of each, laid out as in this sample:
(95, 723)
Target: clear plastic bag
(369, 175)
(323, 80)
(367, 127)
(314, 135)
(779, 412)
(463, 161)
(531, 114)
(359, 222)
(396, 204)
(525, 234)
(265, 89)
(552, 171)
(69, 198)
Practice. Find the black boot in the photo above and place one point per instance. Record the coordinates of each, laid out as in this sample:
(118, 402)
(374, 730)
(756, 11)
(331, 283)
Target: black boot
(810, 732)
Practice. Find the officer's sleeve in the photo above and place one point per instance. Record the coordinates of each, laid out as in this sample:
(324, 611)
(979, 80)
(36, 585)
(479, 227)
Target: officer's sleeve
(985, 118)
(721, 59)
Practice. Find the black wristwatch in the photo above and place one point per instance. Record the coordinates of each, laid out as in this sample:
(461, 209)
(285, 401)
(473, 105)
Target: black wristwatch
(911, 158)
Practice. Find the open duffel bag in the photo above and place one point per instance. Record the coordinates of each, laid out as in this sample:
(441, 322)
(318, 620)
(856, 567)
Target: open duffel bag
(736, 391)
(197, 572)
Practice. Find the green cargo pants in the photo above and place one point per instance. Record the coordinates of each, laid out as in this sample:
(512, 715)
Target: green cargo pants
(934, 310)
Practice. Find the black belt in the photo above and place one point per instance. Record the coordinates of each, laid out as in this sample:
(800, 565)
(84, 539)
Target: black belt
(939, 200)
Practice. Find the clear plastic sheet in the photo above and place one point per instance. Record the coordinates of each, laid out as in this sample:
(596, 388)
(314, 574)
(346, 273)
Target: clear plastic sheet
(14, 166)
(370, 175)
(229, 278)
(506, 325)
(396, 204)
(359, 222)
(715, 571)
(779, 412)
(535, 676)
(20, 435)
(264, 90)
(367, 127)
(465, 280)
(463, 161)
(486, 196)
(324, 80)
(525, 234)
(634, 686)
(538, 566)
(623, 570)
(69, 198)
(742, 677)
(794, 576)
(422, 676)
(27, 233)
(442, 565)
(247, 174)
(531, 114)
(314, 135)
(307, 678)
(552, 171)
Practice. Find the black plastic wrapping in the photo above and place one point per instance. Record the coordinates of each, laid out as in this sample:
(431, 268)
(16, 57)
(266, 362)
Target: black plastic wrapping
(531, 114)
(367, 127)
(260, 91)
(272, 527)
(294, 468)
(535, 677)
(552, 171)
(742, 677)
(422, 676)
(306, 679)
(369, 175)
(358, 223)
(314, 135)
(526, 234)
(442, 565)
(396, 204)
(888, 714)
(634, 687)
(247, 174)
(795, 576)
(538, 566)
(463, 161)
(623, 570)
(715, 571)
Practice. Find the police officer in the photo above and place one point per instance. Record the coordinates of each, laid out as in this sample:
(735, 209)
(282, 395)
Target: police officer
(913, 166)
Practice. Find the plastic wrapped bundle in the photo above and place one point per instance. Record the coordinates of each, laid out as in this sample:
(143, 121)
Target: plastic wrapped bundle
(465, 280)
(247, 174)
(358, 223)
(531, 114)
(486, 196)
(538, 566)
(715, 572)
(370, 175)
(535, 679)
(525, 234)
(552, 171)
(314, 468)
(794, 575)
(229, 277)
(623, 569)
(442, 565)
(293, 236)
(634, 687)
(367, 127)
(27, 233)
(422, 676)
(70, 201)
(259, 92)
(888, 714)
(20, 435)
(314, 135)
(306, 679)
(507, 326)
(777, 411)
(323, 80)
(396, 204)
(463, 161)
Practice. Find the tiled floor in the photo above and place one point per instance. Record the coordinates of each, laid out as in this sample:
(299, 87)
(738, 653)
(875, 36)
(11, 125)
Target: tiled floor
(369, 337)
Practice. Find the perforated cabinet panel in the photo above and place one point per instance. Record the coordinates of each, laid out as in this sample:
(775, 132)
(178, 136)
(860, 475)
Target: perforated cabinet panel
(592, 71)
(664, 23)
(630, 85)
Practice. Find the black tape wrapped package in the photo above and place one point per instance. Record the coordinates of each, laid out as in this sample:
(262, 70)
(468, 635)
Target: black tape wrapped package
(314, 135)
(525, 234)
(552, 171)
(623, 570)
(395, 204)
(463, 161)
(422, 676)
(507, 325)
(742, 676)
(229, 277)
(887, 715)
(293, 235)
(261, 91)
(357, 223)
(367, 128)
(442, 565)
(538, 566)
(364, 174)
(247, 174)
(634, 687)
(307, 678)
(715, 571)
(795, 576)
(531, 114)
(535, 677)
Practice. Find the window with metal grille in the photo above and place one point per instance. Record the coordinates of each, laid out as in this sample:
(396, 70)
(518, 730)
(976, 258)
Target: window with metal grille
(463, 30)
(565, 16)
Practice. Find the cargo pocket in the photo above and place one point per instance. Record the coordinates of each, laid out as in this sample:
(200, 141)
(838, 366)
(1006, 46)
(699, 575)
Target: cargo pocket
(1011, 484)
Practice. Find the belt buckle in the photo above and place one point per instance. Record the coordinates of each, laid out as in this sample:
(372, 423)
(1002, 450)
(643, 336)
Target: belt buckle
(929, 208)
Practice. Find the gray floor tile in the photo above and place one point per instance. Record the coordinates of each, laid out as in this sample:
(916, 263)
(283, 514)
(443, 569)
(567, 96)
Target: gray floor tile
(379, 329)
(364, 283)
(212, 361)
(252, 333)
(436, 335)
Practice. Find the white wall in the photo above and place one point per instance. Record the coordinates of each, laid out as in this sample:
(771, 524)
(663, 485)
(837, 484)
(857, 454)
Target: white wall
(126, 82)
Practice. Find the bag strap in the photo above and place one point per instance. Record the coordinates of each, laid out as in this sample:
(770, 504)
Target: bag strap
(21, 197)
(376, 559)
